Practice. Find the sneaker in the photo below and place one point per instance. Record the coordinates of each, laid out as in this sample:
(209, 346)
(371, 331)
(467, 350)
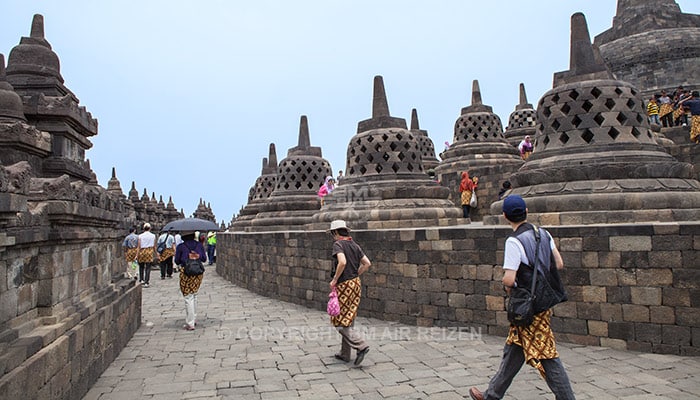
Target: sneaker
(361, 355)
(476, 394)
(188, 327)
(146, 285)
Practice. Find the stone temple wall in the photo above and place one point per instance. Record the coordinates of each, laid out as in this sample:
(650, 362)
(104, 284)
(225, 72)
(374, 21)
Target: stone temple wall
(66, 308)
(631, 286)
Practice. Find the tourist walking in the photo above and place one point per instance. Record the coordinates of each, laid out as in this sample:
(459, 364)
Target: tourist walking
(189, 249)
(211, 247)
(467, 187)
(145, 254)
(533, 344)
(130, 246)
(349, 263)
(166, 241)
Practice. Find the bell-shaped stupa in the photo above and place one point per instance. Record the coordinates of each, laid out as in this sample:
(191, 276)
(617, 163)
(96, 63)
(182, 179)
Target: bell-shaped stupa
(478, 147)
(596, 159)
(653, 45)
(33, 69)
(427, 146)
(299, 176)
(522, 122)
(386, 185)
(19, 140)
(259, 193)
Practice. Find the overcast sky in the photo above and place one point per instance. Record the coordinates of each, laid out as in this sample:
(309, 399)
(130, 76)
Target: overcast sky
(189, 94)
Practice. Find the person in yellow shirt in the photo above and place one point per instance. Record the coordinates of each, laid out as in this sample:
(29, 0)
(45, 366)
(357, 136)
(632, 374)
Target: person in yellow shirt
(211, 247)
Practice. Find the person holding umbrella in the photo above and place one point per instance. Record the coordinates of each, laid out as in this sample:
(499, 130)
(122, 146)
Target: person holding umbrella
(189, 249)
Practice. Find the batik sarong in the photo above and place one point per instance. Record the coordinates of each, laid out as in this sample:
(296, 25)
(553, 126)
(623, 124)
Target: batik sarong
(190, 284)
(146, 255)
(168, 252)
(695, 128)
(130, 254)
(349, 293)
(665, 109)
(536, 340)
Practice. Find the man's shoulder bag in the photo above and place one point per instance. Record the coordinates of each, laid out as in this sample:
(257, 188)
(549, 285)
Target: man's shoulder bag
(161, 245)
(524, 303)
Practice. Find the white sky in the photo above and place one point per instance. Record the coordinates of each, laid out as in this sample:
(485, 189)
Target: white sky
(189, 94)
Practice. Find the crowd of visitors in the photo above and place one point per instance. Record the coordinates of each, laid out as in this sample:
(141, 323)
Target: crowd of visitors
(680, 108)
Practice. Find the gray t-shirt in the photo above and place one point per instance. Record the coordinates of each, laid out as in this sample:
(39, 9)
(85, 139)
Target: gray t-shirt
(353, 254)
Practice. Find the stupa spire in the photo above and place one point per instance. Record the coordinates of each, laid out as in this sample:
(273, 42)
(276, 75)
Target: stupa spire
(476, 93)
(414, 120)
(583, 63)
(380, 105)
(304, 141)
(37, 30)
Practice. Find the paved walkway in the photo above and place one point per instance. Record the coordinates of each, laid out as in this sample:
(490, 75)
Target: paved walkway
(248, 346)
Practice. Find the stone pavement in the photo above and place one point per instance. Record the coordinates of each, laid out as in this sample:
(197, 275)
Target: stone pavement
(251, 347)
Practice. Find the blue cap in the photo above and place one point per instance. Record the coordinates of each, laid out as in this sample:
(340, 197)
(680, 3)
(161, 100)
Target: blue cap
(515, 208)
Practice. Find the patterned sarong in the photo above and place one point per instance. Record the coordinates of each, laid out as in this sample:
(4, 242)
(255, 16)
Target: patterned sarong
(537, 340)
(349, 293)
(130, 254)
(190, 284)
(665, 109)
(146, 255)
(466, 197)
(169, 252)
(695, 128)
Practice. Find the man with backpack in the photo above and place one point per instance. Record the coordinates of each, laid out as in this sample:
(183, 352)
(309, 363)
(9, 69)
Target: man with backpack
(533, 343)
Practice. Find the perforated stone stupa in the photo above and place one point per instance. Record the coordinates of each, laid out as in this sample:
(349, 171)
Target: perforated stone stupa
(427, 147)
(596, 159)
(260, 192)
(386, 185)
(479, 147)
(653, 45)
(299, 176)
(522, 122)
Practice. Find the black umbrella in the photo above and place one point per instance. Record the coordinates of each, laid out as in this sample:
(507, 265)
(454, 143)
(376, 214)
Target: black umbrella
(190, 225)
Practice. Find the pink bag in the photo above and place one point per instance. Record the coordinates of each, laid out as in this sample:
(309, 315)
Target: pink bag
(333, 307)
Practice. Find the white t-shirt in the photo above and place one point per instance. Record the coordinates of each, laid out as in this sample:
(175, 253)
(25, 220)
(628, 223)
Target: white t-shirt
(515, 253)
(147, 239)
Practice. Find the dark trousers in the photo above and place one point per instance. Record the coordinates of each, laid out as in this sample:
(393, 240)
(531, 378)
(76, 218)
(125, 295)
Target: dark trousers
(145, 272)
(465, 210)
(513, 359)
(166, 266)
(667, 120)
(210, 253)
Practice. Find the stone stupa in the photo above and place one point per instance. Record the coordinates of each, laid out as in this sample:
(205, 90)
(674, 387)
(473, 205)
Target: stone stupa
(430, 161)
(596, 159)
(653, 45)
(522, 122)
(259, 193)
(299, 176)
(33, 69)
(479, 147)
(386, 185)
